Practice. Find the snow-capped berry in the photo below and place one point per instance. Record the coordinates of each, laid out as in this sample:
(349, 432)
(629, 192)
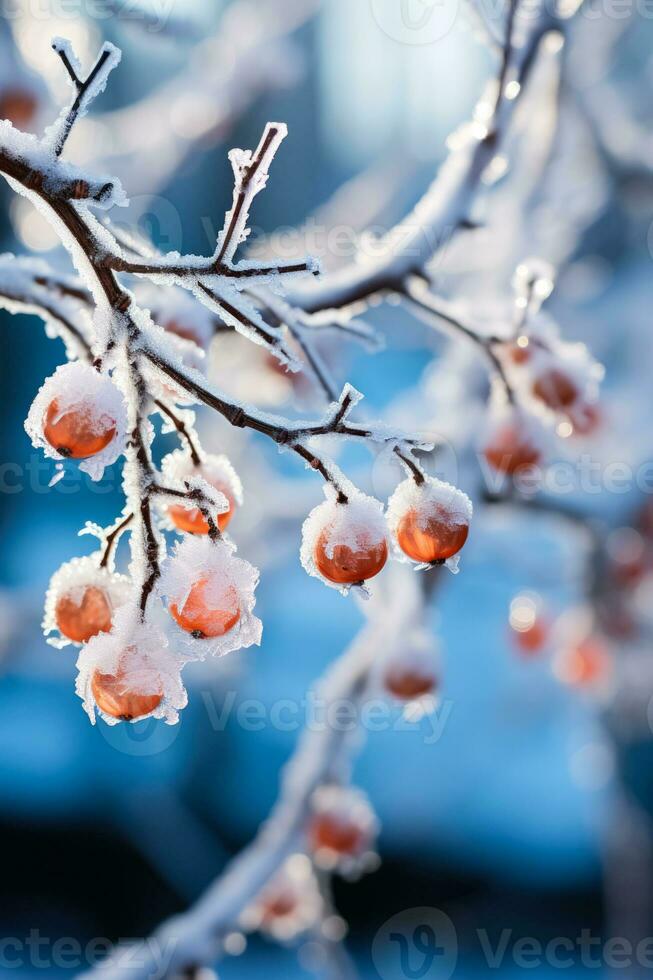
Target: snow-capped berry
(210, 594)
(79, 619)
(209, 610)
(556, 389)
(411, 670)
(519, 352)
(529, 626)
(192, 520)
(430, 535)
(512, 446)
(345, 544)
(289, 904)
(584, 664)
(132, 671)
(78, 431)
(350, 563)
(342, 827)
(429, 521)
(18, 105)
(115, 696)
(178, 469)
(585, 418)
(335, 832)
(81, 600)
(79, 414)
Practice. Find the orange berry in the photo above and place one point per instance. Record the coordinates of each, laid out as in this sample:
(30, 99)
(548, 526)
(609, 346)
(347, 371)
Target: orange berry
(556, 389)
(347, 565)
(331, 832)
(519, 353)
(407, 684)
(511, 449)
(584, 664)
(277, 904)
(207, 618)
(532, 638)
(192, 520)
(18, 106)
(80, 620)
(77, 432)
(113, 696)
(432, 535)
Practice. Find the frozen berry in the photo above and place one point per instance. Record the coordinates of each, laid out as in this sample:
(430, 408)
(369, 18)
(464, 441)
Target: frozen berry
(115, 696)
(80, 617)
(353, 563)
(208, 611)
(79, 431)
(431, 533)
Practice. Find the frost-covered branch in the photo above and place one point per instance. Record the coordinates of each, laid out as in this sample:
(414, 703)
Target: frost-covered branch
(99, 411)
(86, 89)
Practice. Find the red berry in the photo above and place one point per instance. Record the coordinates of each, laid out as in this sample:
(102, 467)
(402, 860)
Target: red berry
(113, 695)
(79, 620)
(350, 565)
(431, 534)
(277, 904)
(409, 683)
(511, 449)
(207, 616)
(531, 638)
(334, 832)
(77, 432)
(519, 353)
(584, 664)
(556, 389)
(18, 106)
(192, 520)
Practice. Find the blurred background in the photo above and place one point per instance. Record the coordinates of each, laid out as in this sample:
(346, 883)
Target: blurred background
(528, 809)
